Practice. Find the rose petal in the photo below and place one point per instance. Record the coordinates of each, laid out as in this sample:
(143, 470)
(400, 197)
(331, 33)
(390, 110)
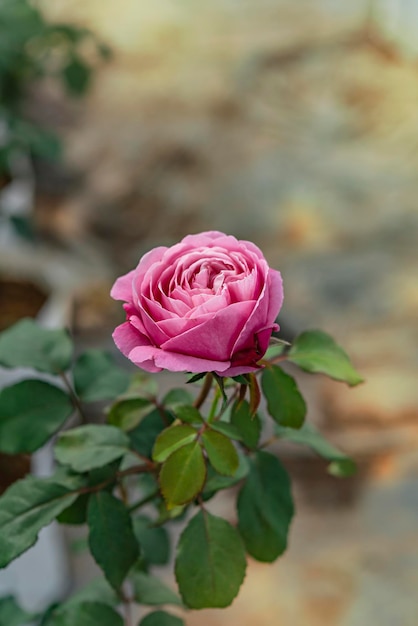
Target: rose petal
(122, 288)
(215, 338)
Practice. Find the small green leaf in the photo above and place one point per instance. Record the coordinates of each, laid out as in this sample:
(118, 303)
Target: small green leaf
(227, 429)
(275, 350)
(161, 618)
(315, 351)
(195, 378)
(221, 452)
(151, 590)
(76, 513)
(177, 396)
(26, 344)
(85, 614)
(248, 426)
(308, 435)
(172, 439)
(183, 474)
(112, 540)
(285, 403)
(144, 435)
(77, 76)
(91, 446)
(154, 541)
(215, 482)
(144, 385)
(127, 413)
(187, 413)
(210, 563)
(98, 377)
(265, 508)
(97, 590)
(29, 505)
(11, 614)
(30, 413)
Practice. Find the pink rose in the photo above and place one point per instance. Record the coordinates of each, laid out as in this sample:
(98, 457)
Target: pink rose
(207, 304)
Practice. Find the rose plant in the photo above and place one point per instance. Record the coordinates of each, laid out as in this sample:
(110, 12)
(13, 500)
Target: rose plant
(206, 306)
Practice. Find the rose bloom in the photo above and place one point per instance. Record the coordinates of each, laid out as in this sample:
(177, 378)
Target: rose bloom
(206, 304)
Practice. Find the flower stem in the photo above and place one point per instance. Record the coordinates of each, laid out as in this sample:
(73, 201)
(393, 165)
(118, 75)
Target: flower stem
(204, 391)
(74, 397)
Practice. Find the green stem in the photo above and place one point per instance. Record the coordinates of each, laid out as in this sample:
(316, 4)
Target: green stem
(204, 392)
(214, 406)
(74, 397)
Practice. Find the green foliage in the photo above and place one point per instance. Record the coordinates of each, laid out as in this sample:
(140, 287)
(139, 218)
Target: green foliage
(183, 474)
(29, 505)
(112, 540)
(97, 377)
(87, 614)
(127, 413)
(88, 447)
(154, 541)
(315, 351)
(308, 435)
(164, 454)
(161, 618)
(211, 575)
(30, 413)
(171, 439)
(26, 344)
(248, 426)
(221, 452)
(265, 508)
(151, 591)
(31, 49)
(11, 614)
(285, 403)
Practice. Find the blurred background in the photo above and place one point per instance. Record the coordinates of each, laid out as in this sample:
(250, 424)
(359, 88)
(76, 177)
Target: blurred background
(125, 125)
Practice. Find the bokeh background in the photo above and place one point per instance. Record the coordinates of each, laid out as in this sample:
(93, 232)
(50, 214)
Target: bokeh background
(295, 125)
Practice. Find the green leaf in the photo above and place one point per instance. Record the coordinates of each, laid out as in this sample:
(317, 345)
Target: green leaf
(77, 76)
(255, 394)
(177, 396)
(97, 590)
(91, 446)
(210, 563)
(187, 413)
(265, 508)
(247, 425)
(128, 412)
(285, 403)
(171, 439)
(161, 618)
(275, 350)
(29, 505)
(98, 377)
(11, 614)
(26, 344)
(183, 474)
(308, 435)
(215, 482)
(144, 435)
(76, 513)
(221, 452)
(227, 429)
(112, 540)
(86, 614)
(30, 413)
(144, 385)
(195, 378)
(315, 351)
(154, 541)
(151, 590)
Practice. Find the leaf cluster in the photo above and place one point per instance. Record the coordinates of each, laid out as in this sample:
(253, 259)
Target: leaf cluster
(153, 462)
